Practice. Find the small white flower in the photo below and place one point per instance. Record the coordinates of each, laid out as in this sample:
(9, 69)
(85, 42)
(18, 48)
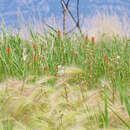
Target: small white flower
(118, 57)
(59, 66)
(61, 72)
(30, 40)
(105, 83)
(24, 54)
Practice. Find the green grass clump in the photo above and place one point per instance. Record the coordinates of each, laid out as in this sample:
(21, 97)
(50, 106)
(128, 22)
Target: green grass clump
(55, 82)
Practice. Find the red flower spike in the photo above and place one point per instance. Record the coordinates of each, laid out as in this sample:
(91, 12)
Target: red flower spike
(93, 39)
(34, 57)
(86, 37)
(73, 52)
(28, 63)
(59, 32)
(34, 45)
(44, 69)
(105, 58)
(8, 49)
(56, 66)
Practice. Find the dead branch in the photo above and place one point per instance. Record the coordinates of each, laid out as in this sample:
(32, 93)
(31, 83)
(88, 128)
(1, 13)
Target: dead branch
(78, 20)
(66, 9)
(64, 14)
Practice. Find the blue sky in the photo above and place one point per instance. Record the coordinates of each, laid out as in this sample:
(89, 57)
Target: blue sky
(32, 8)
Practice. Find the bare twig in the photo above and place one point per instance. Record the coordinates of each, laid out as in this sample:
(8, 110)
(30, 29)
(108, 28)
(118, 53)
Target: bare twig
(67, 3)
(78, 11)
(65, 6)
(78, 24)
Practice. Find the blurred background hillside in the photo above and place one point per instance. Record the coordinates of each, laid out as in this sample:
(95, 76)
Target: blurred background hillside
(96, 16)
(9, 9)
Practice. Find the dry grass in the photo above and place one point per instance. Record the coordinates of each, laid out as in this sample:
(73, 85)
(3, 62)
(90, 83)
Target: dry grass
(47, 108)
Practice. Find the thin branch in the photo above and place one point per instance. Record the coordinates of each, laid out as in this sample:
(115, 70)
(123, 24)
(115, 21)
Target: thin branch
(64, 17)
(63, 3)
(67, 3)
(76, 22)
(78, 11)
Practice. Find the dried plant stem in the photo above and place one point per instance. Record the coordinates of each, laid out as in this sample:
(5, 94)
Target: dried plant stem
(64, 19)
(81, 90)
(22, 87)
(66, 92)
